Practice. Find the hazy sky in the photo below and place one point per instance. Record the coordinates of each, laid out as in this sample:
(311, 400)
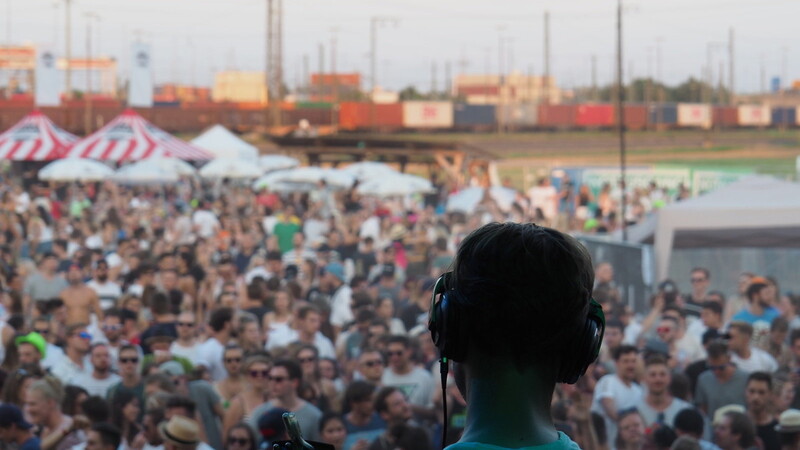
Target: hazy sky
(212, 35)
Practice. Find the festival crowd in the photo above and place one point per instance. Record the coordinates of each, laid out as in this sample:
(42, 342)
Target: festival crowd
(193, 316)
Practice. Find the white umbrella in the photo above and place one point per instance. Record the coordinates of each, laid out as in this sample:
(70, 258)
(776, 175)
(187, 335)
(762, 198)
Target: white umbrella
(230, 168)
(145, 172)
(395, 185)
(176, 165)
(333, 177)
(269, 163)
(467, 200)
(75, 169)
(367, 170)
(274, 181)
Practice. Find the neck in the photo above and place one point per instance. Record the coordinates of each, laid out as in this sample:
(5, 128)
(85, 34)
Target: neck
(726, 375)
(659, 401)
(761, 416)
(744, 352)
(357, 418)
(75, 356)
(403, 369)
(100, 374)
(306, 337)
(290, 401)
(495, 389)
(54, 420)
(130, 379)
(756, 309)
(186, 341)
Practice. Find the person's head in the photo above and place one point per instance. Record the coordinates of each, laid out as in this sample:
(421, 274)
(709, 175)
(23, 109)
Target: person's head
(43, 399)
(101, 270)
(740, 335)
(112, 325)
(392, 405)
(158, 382)
(241, 437)
(72, 398)
(309, 320)
(103, 436)
(604, 272)
(78, 338)
(505, 275)
(256, 369)
(308, 357)
(249, 331)
(398, 352)
(656, 374)
(711, 314)
(689, 422)
(128, 361)
(285, 377)
(755, 293)
(332, 430)
(232, 357)
(31, 348)
(358, 397)
(180, 433)
(615, 332)
(626, 358)
(700, 278)
(152, 417)
(221, 319)
(630, 428)
(735, 430)
(758, 391)
(778, 330)
(74, 274)
(186, 325)
(719, 360)
(12, 423)
(667, 329)
(370, 365)
(283, 300)
(96, 409)
(179, 405)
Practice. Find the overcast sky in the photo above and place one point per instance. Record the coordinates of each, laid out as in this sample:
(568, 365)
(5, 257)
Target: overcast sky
(193, 38)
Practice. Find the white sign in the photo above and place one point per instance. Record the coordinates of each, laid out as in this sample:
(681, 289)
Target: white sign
(47, 91)
(140, 88)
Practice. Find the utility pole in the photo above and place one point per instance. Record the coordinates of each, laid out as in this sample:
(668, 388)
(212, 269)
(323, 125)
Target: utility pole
(321, 73)
(621, 124)
(661, 99)
(68, 43)
(306, 84)
(546, 81)
(433, 81)
(448, 79)
(374, 22)
(763, 75)
(87, 113)
(594, 78)
(274, 59)
(334, 75)
(731, 69)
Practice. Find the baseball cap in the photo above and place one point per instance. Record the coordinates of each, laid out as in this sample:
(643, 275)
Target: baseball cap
(336, 270)
(271, 426)
(35, 339)
(10, 414)
(172, 368)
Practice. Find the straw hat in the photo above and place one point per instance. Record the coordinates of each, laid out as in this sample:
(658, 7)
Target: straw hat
(721, 411)
(789, 421)
(181, 431)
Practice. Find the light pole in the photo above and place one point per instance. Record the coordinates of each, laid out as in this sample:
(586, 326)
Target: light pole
(68, 43)
(87, 117)
(374, 23)
(621, 123)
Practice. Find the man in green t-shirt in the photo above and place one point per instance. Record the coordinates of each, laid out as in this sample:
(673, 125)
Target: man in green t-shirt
(285, 228)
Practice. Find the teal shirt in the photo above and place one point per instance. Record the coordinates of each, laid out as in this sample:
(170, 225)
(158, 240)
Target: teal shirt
(563, 443)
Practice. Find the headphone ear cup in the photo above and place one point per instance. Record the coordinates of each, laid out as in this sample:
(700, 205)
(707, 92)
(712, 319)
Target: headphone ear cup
(446, 327)
(586, 346)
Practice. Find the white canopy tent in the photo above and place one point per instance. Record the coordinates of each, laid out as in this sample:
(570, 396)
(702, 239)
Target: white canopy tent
(756, 211)
(224, 144)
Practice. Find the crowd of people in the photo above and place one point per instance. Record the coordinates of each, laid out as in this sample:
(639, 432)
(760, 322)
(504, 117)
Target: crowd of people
(193, 316)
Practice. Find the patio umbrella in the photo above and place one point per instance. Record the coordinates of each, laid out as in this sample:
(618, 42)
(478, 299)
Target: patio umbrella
(230, 168)
(269, 163)
(75, 169)
(395, 185)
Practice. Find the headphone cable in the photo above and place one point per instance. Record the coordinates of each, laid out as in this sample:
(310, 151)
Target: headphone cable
(443, 370)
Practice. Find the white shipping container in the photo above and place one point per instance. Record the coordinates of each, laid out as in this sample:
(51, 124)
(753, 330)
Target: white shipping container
(754, 115)
(695, 115)
(522, 115)
(427, 114)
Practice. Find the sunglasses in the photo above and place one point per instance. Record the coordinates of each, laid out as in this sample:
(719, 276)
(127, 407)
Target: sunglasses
(277, 379)
(112, 327)
(83, 335)
(397, 353)
(128, 360)
(698, 280)
(307, 360)
(373, 363)
(663, 329)
(260, 374)
(42, 332)
(233, 360)
(185, 324)
(717, 368)
(239, 441)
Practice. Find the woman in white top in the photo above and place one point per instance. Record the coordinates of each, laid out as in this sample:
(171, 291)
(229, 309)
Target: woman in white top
(279, 322)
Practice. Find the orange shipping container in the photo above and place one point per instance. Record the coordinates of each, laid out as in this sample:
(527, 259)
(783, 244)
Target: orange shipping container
(358, 116)
(635, 117)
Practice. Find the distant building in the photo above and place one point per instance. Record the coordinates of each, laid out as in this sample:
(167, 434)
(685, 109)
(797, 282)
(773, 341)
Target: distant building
(240, 87)
(329, 87)
(181, 93)
(506, 89)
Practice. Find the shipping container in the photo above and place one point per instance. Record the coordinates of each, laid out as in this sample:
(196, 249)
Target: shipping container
(754, 116)
(557, 116)
(474, 116)
(635, 117)
(663, 114)
(725, 116)
(314, 105)
(421, 114)
(786, 116)
(363, 116)
(521, 116)
(595, 116)
(314, 116)
(694, 115)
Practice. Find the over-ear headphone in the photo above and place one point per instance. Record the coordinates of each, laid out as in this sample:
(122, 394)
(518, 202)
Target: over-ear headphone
(448, 327)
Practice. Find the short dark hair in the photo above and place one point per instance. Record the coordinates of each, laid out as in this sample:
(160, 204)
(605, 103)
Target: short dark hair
(689, 421)
(163, 380)
(127, 347)
(303, 312)
(714, 307)
(109, 434)
(220, 317)
(399, 339)
(717, 349)
(71, 329)
(615, 323)
(536, 272)
(761, 376)
(794, 335)
(181, 401)
(754, 289)
(655, 359)
(380, 398)
(779, 324)
(358, 391)
(624, 349)
(705, 272)
(742, 327)
(292, 368)
(96, 409)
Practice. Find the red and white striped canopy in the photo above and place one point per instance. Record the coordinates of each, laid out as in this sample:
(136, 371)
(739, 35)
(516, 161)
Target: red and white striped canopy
(34, 138)
(129, 137)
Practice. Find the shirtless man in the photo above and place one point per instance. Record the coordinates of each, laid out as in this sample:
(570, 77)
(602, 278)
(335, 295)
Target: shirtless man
(79, 298)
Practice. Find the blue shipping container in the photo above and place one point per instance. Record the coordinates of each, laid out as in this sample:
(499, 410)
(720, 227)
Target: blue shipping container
(663, 113)
(784, 116)
(471, 115)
